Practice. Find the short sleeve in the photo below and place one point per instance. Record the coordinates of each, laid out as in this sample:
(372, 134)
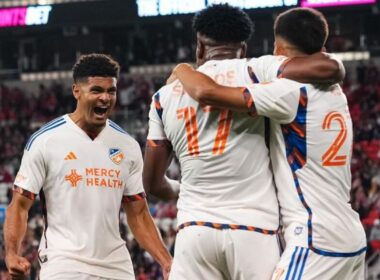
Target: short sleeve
(264, 69)
(134, 189)
(156, 127)
(32, 173)
(277, 100)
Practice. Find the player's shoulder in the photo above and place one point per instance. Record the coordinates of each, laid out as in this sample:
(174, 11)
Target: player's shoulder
(212, 65)
(164, 92)
(119, 132)
(46, 131)
(267, 60)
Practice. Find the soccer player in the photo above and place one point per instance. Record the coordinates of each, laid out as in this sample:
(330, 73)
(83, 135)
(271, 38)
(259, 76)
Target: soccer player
(84, 167)
(227, 208)
(310, 147)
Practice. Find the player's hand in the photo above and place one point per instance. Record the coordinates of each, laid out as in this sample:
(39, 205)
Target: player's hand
(18, 267)
(173, 75)
(171, 79)
(166, 271)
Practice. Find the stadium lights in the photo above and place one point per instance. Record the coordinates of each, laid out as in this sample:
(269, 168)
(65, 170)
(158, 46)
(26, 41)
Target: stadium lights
(22, 3)
(353, 56)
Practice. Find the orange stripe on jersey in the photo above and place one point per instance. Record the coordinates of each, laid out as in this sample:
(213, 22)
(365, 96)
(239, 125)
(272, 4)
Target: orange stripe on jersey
(303, 100)
(194, 128)
(299, 157)
(135, 197)
(226, 132)
(224, 127)
(23, 192)
(297, 129)
(226, 226)
(216, 225)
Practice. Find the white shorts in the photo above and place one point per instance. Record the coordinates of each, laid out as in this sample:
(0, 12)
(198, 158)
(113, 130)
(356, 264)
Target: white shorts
(301, 263)
(71, 276)
(212, 254)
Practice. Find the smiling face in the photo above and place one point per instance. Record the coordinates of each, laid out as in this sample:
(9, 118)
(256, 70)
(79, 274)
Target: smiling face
(96, 98)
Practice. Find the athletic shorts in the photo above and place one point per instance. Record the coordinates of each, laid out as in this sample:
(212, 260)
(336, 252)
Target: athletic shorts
(301, 263)
(213, 254)
(71, 276)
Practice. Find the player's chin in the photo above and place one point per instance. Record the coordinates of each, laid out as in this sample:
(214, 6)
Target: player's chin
(99, 120)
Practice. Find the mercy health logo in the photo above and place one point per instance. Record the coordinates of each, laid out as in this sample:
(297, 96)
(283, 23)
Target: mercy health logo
(95, 177)
(23, 16)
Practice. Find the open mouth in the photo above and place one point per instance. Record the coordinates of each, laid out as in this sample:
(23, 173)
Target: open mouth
(100, 111)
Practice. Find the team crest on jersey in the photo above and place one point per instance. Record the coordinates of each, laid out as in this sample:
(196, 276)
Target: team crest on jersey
(116, 155)
(298, 230)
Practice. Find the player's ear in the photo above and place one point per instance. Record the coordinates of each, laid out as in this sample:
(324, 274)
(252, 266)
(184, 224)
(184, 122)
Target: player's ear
(76, 91)
(200, 52)
(243, 51)
(278, 47)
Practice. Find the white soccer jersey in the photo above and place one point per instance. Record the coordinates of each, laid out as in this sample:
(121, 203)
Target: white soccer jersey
(225, 182)
(310, 146)
(82, 183)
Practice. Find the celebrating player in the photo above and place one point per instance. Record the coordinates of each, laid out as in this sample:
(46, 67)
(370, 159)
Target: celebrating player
(310, 147)
(84, 167)
(227, 208)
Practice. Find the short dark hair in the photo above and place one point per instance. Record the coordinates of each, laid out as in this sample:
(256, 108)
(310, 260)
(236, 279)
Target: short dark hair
(305, 28)
(223, 23)
(95, 65)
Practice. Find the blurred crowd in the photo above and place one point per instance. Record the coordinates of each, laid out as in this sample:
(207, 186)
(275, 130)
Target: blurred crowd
(22, 112)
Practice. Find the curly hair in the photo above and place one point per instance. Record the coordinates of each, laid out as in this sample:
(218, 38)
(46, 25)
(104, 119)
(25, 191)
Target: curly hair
(95, 65)
(305, 28)
(223, 23)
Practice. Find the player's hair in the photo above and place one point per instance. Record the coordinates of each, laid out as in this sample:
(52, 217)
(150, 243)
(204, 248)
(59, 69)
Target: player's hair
(305, 28)
(95, 65)
(223, 23)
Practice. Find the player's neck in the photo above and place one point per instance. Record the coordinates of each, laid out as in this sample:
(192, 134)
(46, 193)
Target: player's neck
(222, 52)
(91, 130)
(293, 52)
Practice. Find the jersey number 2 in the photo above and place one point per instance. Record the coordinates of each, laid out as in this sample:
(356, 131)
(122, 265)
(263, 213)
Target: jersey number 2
(330, 157)
(224, 126)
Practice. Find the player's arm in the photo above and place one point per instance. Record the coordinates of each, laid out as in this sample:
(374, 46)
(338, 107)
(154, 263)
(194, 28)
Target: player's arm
(276, 100)
(316, 68)
(207, 92)
(146, 233)
(14, 230)
(158, 156)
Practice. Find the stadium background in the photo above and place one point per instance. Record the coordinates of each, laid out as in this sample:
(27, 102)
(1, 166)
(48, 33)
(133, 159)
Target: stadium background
(41, 39)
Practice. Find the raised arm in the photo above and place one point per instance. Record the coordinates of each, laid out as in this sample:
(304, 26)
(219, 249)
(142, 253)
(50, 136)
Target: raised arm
(14, 230)
(158, 156)
(277, 100)
(315, 68)
(146, 233)
(204, 90)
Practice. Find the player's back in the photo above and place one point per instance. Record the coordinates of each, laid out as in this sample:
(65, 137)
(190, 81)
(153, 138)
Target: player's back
(311, 159)
(224, 160)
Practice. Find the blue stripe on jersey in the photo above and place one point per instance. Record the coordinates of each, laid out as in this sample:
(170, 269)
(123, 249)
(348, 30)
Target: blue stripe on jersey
(252, 75)
(291, 263)
(339, 255)
(116, 127)
(40, 132)
(303, 264)
(297, 263)
(296, 153)
(157, 104)
(43, 127)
